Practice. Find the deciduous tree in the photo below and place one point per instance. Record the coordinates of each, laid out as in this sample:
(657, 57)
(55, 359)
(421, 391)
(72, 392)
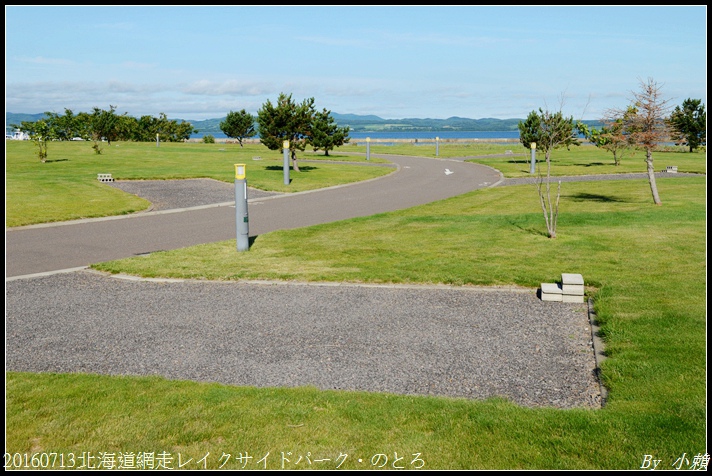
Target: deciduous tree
(611, 136)
(549, 130)
(41, 132)
(64, 125)
(103, 126)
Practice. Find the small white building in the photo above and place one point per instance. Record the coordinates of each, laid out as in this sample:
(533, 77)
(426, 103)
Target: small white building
(18, 135)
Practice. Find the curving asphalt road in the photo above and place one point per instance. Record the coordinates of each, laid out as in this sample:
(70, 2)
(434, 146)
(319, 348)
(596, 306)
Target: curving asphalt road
(45, 248)
(425, 340)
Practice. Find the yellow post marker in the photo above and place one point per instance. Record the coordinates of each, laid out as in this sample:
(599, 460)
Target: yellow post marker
(533, 161)
(240, 171)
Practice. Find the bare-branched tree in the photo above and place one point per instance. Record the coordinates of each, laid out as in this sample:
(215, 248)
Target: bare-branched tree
(648, 125)
(549, 130)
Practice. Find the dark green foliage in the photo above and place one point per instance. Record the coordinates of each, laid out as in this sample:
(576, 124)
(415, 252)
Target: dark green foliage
(689, 124)
(286, 121)
(68, 126)
(360, 123)
(530, 129)
(326, 134)
(549, 130)
(166, 129)
(107, 125)
(239, 125)
(103, 126)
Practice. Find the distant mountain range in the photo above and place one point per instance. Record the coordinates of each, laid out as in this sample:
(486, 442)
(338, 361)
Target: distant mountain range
(371, 123)
(357, 123)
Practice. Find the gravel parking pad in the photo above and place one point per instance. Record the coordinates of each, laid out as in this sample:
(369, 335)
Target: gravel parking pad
(449, 341)
(174, 194)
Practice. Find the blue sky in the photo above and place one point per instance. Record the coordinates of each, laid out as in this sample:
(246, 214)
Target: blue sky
(201, 62)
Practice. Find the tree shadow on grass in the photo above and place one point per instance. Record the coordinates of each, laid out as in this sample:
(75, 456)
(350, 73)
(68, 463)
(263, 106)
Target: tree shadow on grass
(302, 168)
(532, 230)
(56, 160)
(594, 197)
(591, 164)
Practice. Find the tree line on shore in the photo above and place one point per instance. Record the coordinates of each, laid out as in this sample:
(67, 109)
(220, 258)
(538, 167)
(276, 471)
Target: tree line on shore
(302, 125)
(296, 125)
(646, 123)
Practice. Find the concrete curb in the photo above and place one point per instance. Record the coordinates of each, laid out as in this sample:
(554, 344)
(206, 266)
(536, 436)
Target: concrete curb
(598, 349)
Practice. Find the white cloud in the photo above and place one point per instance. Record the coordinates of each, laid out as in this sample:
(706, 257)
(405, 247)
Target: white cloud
(41, 60)
(229, 87)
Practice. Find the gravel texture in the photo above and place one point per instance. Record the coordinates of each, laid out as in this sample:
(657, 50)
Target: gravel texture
(173, 194)
(449, 341)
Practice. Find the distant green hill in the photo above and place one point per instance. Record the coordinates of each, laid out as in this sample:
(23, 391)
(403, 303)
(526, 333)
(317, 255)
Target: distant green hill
(371, 123)
(14, 118)
(356, 123)
(376, 124)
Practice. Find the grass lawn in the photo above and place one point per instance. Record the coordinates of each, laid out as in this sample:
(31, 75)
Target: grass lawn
(644, 266)
(589, 160)
(513, 160)
(66, 186)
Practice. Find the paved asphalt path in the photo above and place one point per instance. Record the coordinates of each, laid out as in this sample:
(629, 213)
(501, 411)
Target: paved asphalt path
(47, 248)
(426, 340)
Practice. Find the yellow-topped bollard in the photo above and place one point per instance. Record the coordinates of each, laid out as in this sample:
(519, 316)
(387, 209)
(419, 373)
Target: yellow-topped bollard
(241, 216)
(240, 171)
(285, 164)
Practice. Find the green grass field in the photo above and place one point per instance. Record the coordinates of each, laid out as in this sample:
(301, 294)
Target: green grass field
(66, 186)
(644, 266)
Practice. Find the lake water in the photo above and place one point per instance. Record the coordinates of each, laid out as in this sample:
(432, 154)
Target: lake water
(429, 136)
(441, 134)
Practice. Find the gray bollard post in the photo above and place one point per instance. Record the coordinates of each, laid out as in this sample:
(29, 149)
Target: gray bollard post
(533, 162)
(285, 167)
(368, 148)
(437, 146)
(241, 216)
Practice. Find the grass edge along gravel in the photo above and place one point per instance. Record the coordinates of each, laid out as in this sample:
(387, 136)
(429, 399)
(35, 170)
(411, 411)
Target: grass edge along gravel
(654, 336)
